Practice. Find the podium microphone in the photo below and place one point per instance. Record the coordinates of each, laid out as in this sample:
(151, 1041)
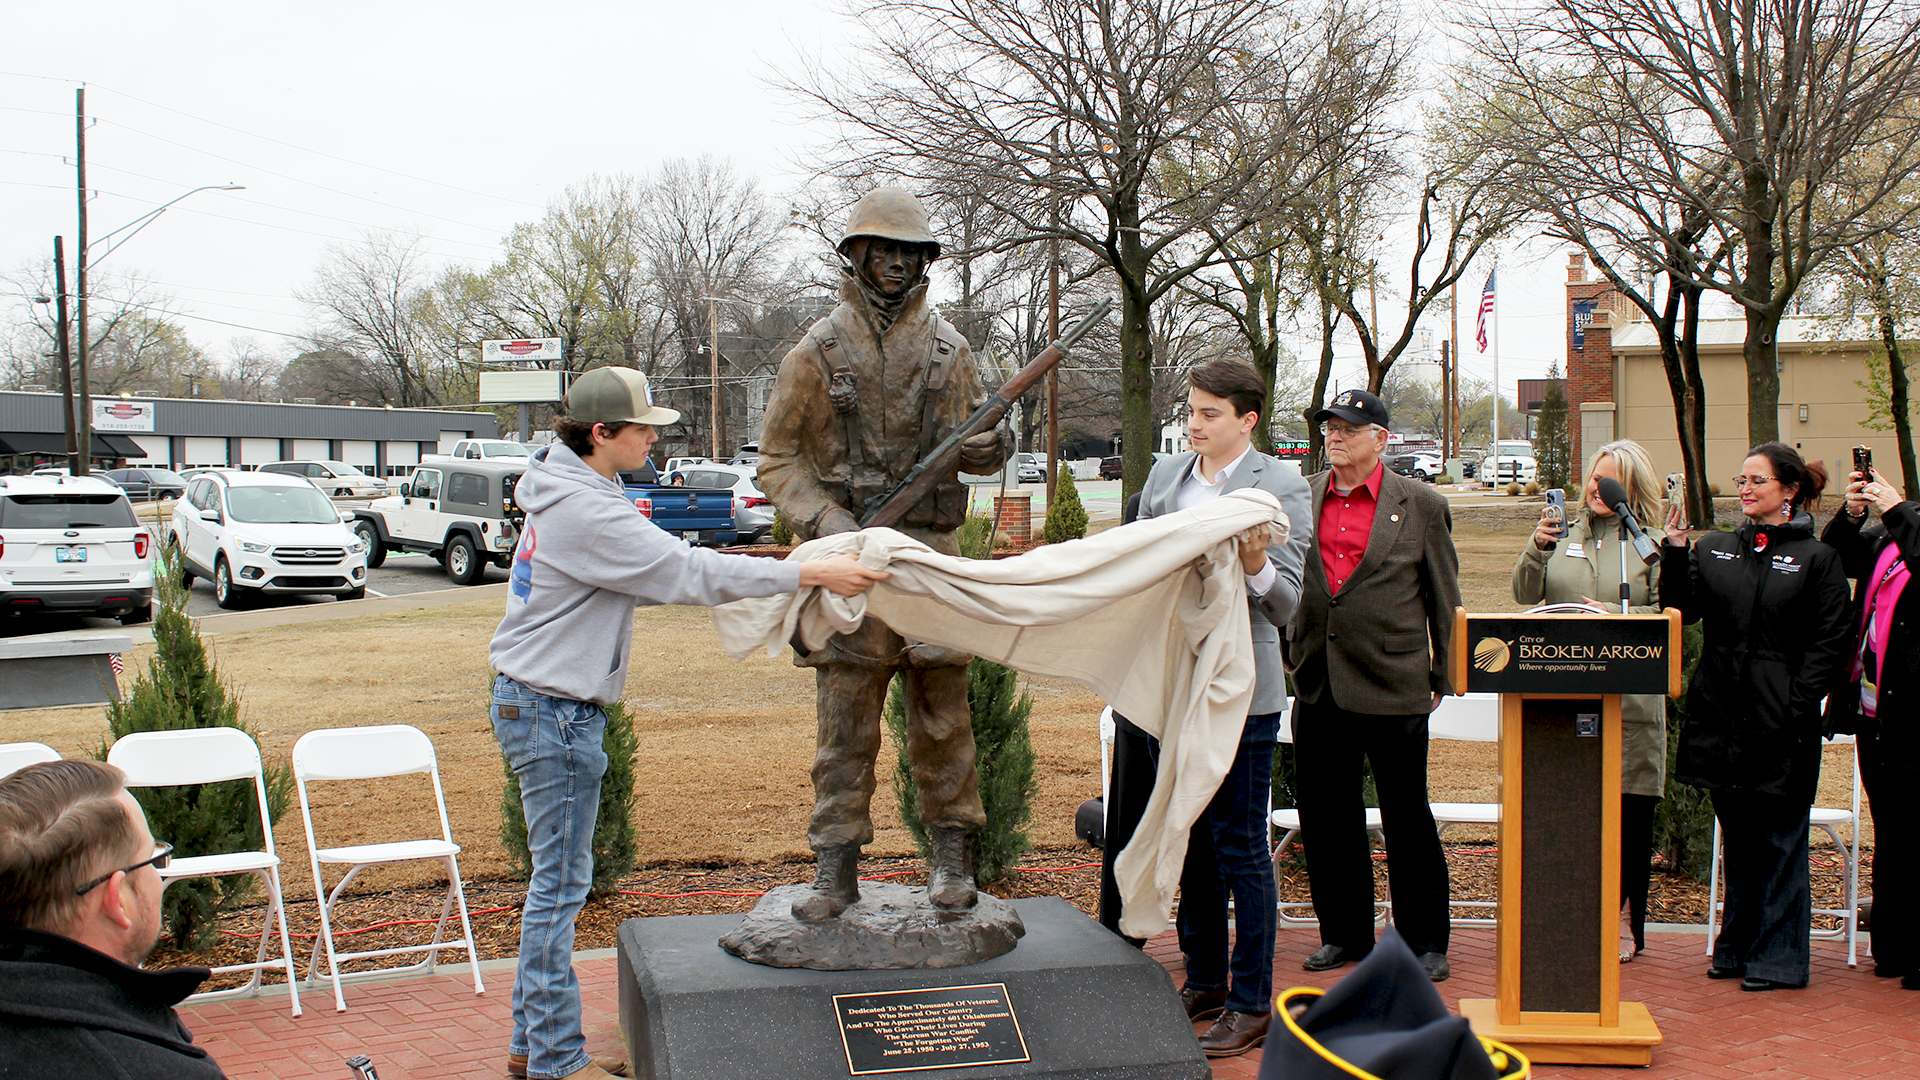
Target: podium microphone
(1615, 495)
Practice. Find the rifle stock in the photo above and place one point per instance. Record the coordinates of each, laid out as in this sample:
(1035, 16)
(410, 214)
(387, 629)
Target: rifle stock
(944, 460)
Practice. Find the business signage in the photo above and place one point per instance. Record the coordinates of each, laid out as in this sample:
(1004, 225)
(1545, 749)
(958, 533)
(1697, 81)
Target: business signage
(520, 350)
(1559, 654)
(1582, 318)
(111, 415)
(503, 387)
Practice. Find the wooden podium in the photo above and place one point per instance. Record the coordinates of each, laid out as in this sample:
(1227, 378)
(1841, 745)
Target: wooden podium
(1560, 677)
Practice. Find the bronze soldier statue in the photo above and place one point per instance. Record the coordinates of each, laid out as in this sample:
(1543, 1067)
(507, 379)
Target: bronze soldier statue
(869, 390)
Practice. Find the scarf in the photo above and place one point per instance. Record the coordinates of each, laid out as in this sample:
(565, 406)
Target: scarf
(1890, 575)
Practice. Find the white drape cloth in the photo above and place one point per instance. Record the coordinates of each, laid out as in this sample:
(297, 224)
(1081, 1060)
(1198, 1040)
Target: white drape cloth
(1151, 616)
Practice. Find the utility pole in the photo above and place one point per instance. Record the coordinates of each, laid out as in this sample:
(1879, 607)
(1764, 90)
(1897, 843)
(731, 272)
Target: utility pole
(65, 348)
(1453, 399)
(84, 414)
(713, 368)
(1446, 404)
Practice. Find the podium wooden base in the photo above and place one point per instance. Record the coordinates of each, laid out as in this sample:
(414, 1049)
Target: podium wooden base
(1631, 1043)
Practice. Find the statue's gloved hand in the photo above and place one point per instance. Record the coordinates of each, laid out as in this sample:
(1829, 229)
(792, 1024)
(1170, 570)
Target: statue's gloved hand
(983, 453)
(835, 520)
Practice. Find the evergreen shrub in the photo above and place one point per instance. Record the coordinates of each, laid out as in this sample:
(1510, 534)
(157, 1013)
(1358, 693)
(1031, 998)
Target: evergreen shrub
(616, 848)
(1066, 518)
(1683, 824)
(781, 533)
(975, 537)
(181, 690)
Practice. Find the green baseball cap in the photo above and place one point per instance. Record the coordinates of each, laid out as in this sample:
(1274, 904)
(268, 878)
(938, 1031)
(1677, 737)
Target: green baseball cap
(615, 395)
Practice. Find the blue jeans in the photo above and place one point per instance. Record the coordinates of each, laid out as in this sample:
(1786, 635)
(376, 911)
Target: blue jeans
(1227, 855)
(1768, 896)
(553, 746)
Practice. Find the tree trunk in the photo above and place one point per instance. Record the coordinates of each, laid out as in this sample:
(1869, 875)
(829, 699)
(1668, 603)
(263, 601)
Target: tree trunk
(1763, 376)
(1694, 430)
(1316, 443)
(1897, 406)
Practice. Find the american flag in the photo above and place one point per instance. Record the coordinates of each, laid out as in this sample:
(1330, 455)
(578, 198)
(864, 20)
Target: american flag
(1486, 309)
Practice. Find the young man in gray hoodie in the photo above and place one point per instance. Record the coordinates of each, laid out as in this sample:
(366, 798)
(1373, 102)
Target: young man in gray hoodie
(585, 559)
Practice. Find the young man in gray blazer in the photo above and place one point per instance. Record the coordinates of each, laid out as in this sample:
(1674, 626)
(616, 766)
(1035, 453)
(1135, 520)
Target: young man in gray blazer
(1227, 853)
(1368, 651)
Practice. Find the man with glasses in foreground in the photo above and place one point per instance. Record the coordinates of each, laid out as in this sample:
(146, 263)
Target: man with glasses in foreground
(79, 914)
(1367, 648)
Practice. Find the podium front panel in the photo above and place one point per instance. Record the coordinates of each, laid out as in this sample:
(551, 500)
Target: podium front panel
(1560, 828)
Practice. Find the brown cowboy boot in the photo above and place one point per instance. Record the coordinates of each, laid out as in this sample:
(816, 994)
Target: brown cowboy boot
(836, 884)
(950, 885)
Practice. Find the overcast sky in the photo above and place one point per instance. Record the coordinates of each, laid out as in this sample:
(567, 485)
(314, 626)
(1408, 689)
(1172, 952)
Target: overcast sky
(455, 121)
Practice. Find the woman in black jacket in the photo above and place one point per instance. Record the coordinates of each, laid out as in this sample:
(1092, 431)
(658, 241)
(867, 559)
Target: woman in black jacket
(1775, 604)
(1885, 668)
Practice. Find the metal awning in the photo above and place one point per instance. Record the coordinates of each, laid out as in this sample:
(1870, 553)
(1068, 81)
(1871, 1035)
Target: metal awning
(54, 444)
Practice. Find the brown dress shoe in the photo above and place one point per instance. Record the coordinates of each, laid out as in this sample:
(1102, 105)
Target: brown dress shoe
(612, 1066)
(1203, 1004)
(1235, 1033)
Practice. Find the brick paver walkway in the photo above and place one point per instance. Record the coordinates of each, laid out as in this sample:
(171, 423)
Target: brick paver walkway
(1848, 1023)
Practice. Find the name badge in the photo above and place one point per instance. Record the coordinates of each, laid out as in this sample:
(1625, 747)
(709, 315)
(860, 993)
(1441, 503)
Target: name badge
(1576, 551)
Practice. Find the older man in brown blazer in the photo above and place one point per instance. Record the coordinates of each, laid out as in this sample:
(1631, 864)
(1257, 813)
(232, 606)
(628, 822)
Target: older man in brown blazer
(1367, 648)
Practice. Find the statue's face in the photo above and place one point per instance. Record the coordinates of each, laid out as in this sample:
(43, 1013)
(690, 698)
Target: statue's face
(893, 266)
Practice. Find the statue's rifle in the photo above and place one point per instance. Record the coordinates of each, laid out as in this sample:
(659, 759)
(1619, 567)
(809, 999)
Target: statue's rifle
(943, 462)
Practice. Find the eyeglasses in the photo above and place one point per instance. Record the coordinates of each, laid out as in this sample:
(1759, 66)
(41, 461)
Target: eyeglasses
(1751, 481)
(159, 861)
(1345, 431)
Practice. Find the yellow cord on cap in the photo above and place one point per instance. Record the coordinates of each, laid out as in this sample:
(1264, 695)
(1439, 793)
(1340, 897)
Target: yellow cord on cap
(1501, 1054)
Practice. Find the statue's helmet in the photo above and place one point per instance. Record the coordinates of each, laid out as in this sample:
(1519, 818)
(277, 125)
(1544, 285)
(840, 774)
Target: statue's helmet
(892, 213)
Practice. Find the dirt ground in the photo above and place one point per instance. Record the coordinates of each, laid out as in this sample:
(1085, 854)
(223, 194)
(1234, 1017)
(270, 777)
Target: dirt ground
(724, 747)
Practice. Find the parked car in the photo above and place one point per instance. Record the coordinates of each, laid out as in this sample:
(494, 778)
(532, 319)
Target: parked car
(748, 454)
(1419, 466)
(335, 478)
(1517, 464)
(490, 449)
(675, 464)
(73, 544)
(752, 510)
(696, 514)
(1469, 467)
(1111, 467)
(253, 533)
(1029, 468)
(137, 488)
(457, 510)
(161, 483)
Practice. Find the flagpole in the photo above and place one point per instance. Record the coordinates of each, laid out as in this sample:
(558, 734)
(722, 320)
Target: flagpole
(1495, 324)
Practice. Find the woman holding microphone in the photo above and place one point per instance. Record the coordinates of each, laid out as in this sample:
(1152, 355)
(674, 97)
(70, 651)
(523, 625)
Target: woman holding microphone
(1884, 670)
(1574, 561)
(1775, 604)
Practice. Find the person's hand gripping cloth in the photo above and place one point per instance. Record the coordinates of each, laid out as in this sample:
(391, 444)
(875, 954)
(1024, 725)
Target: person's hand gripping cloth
(1151, 616)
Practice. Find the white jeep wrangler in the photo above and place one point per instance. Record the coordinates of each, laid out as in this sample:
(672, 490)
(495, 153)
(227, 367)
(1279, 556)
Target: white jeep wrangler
(460, 512)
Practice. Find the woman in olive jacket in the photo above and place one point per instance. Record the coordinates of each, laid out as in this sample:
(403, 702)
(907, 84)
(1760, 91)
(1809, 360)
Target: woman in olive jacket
(1874, 705)
(1775, 602)
(1580, 561)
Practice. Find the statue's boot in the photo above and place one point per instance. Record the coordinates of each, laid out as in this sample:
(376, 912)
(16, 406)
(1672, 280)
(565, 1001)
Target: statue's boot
(950, 885)
(836, 883)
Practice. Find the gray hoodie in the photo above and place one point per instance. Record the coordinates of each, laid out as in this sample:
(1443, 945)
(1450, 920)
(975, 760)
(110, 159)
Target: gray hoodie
(585, 560)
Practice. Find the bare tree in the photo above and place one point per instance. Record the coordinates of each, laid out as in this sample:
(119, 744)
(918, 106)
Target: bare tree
(250, 371)
(1729, 123)
(1062, 117)
(369, 298)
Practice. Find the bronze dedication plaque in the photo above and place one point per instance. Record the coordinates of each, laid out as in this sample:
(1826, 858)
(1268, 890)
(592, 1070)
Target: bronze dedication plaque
(941, 1028)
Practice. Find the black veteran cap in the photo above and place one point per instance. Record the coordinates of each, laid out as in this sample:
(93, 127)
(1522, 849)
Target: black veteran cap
(1355, 407)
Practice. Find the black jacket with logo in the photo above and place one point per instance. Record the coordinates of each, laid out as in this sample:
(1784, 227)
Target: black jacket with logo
(70, 1011)
(1777, 606)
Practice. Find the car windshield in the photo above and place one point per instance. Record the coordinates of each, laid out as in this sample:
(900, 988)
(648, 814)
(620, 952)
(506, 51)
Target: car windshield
(280, 505)
(507, 450)
(165, 476)
(341, 468)
(66, 512)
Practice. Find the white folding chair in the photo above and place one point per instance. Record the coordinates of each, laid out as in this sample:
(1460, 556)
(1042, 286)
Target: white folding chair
(1287, 820)
(367, 753)
(1107, 729)
(1828, 819)
(15, 756)
(208, 756)
(1468, 718)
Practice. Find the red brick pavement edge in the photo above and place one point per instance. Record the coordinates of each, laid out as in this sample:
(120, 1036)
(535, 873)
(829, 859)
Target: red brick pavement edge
(1847, 1023)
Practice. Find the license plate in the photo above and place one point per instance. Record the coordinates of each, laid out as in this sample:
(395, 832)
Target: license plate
(69, 554)
(692, 537)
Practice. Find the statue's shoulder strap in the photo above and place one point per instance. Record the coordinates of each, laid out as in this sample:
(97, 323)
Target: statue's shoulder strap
(943, 351)
(842, 392)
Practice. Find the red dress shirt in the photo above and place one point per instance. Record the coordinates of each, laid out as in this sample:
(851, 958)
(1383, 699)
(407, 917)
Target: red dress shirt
(1345, 522)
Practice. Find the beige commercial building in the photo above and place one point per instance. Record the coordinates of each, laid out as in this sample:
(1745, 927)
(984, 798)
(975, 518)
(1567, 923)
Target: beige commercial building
(1617, 386)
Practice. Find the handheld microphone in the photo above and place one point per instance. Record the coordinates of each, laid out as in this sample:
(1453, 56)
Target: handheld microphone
(1614, 494)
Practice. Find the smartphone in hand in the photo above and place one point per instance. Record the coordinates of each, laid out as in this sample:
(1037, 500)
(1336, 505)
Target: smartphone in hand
(1863, 462)
(1676, 489)
(1557, 507)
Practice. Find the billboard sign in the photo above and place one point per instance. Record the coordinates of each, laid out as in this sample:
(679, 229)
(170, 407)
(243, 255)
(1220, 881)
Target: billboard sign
(501, 387)
(111, 415)
(520, 351)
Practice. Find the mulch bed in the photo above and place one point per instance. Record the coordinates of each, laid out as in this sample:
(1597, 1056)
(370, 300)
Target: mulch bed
(405, 916)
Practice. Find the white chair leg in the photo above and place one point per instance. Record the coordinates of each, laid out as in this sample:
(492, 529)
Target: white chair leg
(277, 909)
(1713, 890)
(473, 948)
(326, 939)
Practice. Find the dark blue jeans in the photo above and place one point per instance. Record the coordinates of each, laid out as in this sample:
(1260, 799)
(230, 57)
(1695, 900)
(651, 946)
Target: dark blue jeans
(1769, 900)
(1227, 855)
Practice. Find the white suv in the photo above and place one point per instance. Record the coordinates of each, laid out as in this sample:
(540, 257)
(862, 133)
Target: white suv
(336, 478)
(73, 544)
(260, 532)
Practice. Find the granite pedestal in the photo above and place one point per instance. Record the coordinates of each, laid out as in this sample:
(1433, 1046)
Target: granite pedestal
(1087, 1005)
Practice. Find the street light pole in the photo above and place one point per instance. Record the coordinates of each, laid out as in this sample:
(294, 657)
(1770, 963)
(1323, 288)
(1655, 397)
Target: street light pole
(713, 367)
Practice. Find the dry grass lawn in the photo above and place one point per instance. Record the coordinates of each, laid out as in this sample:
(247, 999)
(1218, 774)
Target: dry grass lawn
(724, 748)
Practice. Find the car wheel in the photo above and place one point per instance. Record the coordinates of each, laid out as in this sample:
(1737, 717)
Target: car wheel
(143, 613)
(463, 563)
(376, 551)
(225, 592)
